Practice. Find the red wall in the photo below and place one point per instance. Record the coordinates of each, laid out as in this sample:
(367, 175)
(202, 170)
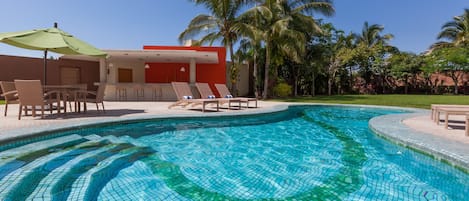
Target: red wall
(206, 73)
(166, 72)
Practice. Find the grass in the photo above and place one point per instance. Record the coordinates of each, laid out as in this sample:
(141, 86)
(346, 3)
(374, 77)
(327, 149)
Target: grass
(2, 102)
(414, 101)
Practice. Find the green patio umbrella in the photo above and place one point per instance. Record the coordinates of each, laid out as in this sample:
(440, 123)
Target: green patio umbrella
(52, 39)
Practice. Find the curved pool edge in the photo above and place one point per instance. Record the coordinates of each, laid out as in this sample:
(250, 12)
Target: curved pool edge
(17, 134)
(392, 128)
(389, 127)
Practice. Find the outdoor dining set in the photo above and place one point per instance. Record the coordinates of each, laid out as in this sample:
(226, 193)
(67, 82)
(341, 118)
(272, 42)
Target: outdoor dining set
(31, 95)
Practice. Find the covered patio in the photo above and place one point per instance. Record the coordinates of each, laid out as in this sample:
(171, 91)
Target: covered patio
(145, 75)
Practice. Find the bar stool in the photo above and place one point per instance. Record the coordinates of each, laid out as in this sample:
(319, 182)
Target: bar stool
(139, 91)
(157, 92)
(121, 93)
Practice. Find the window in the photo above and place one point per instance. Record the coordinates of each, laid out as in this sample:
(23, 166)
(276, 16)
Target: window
(70, 75)
(124, 75)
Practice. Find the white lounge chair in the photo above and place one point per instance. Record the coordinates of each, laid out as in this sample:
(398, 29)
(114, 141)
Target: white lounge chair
(206, 92)
(224, 92)
(186, 98)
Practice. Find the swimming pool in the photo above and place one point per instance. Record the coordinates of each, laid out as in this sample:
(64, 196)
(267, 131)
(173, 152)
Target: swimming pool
(304, 153)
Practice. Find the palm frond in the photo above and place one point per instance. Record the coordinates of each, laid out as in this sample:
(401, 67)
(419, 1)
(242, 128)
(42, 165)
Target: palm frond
(457, 30)
(194, 31)
(309, 7)
(211, 38)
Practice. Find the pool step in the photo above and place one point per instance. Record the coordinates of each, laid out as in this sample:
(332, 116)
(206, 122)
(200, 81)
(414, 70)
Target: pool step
(88, 186)
(93, 137)
(66, 167)
(61, 188)
(27, 177)
(13, 162)
(43, 190)
(133, 141)
(137, 182)
(32, 147)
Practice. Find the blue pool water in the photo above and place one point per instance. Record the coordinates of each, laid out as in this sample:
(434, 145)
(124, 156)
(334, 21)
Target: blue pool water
(304, 153)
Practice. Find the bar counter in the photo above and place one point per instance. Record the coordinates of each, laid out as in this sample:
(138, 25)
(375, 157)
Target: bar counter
(139, 92)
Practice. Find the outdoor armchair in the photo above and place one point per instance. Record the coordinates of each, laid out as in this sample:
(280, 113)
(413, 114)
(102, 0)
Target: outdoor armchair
(9, 93)
(30, 93)
(96, 97)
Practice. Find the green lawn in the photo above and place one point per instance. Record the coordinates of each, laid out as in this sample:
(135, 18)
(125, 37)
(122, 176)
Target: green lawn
(2, 102)
(416, 101)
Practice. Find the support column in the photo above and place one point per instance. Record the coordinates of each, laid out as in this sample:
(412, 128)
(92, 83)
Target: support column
(192, 71)
(102, 70)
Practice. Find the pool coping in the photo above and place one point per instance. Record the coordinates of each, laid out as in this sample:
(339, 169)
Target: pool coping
(390, 127)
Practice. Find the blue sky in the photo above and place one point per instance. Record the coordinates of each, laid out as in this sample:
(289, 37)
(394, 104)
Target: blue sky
(120, 24)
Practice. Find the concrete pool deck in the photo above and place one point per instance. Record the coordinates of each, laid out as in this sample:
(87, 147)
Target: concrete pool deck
(11, 127)
(411, 129)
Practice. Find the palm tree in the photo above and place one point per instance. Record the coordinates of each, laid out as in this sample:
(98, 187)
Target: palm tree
(248, 52)
(280, 30)
(370, 35)
(370, 47)
(219, 26)
(456, 31)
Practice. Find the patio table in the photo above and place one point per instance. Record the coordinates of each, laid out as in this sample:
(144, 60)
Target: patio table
(67, 92)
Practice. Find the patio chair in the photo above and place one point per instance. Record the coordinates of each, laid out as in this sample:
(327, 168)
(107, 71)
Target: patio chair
(30, 93)
(206, 92)
(95, 97)
(9, 94)
(185, 97)
(224, 92)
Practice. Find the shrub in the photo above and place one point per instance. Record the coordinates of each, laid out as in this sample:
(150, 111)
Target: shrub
(282, 90)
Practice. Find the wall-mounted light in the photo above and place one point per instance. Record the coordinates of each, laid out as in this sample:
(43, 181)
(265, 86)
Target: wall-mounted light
(182, 69)
(147, 66)
(110, 65)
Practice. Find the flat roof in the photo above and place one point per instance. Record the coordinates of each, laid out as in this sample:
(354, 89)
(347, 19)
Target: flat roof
(155, 56)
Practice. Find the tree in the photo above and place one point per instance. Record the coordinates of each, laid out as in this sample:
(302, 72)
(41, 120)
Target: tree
(427, 70)
(281, 34)
(336, 51)
(453, 61)
(314, 62)
(371, 46)
(456, 31)
(404, 66)
(221, 25)
(248, 52)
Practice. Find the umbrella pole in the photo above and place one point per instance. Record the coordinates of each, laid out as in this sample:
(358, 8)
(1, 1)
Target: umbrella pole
(45, 67)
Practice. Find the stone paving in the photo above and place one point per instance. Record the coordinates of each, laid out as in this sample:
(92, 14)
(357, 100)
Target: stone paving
(11, 127)
(414, 129)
